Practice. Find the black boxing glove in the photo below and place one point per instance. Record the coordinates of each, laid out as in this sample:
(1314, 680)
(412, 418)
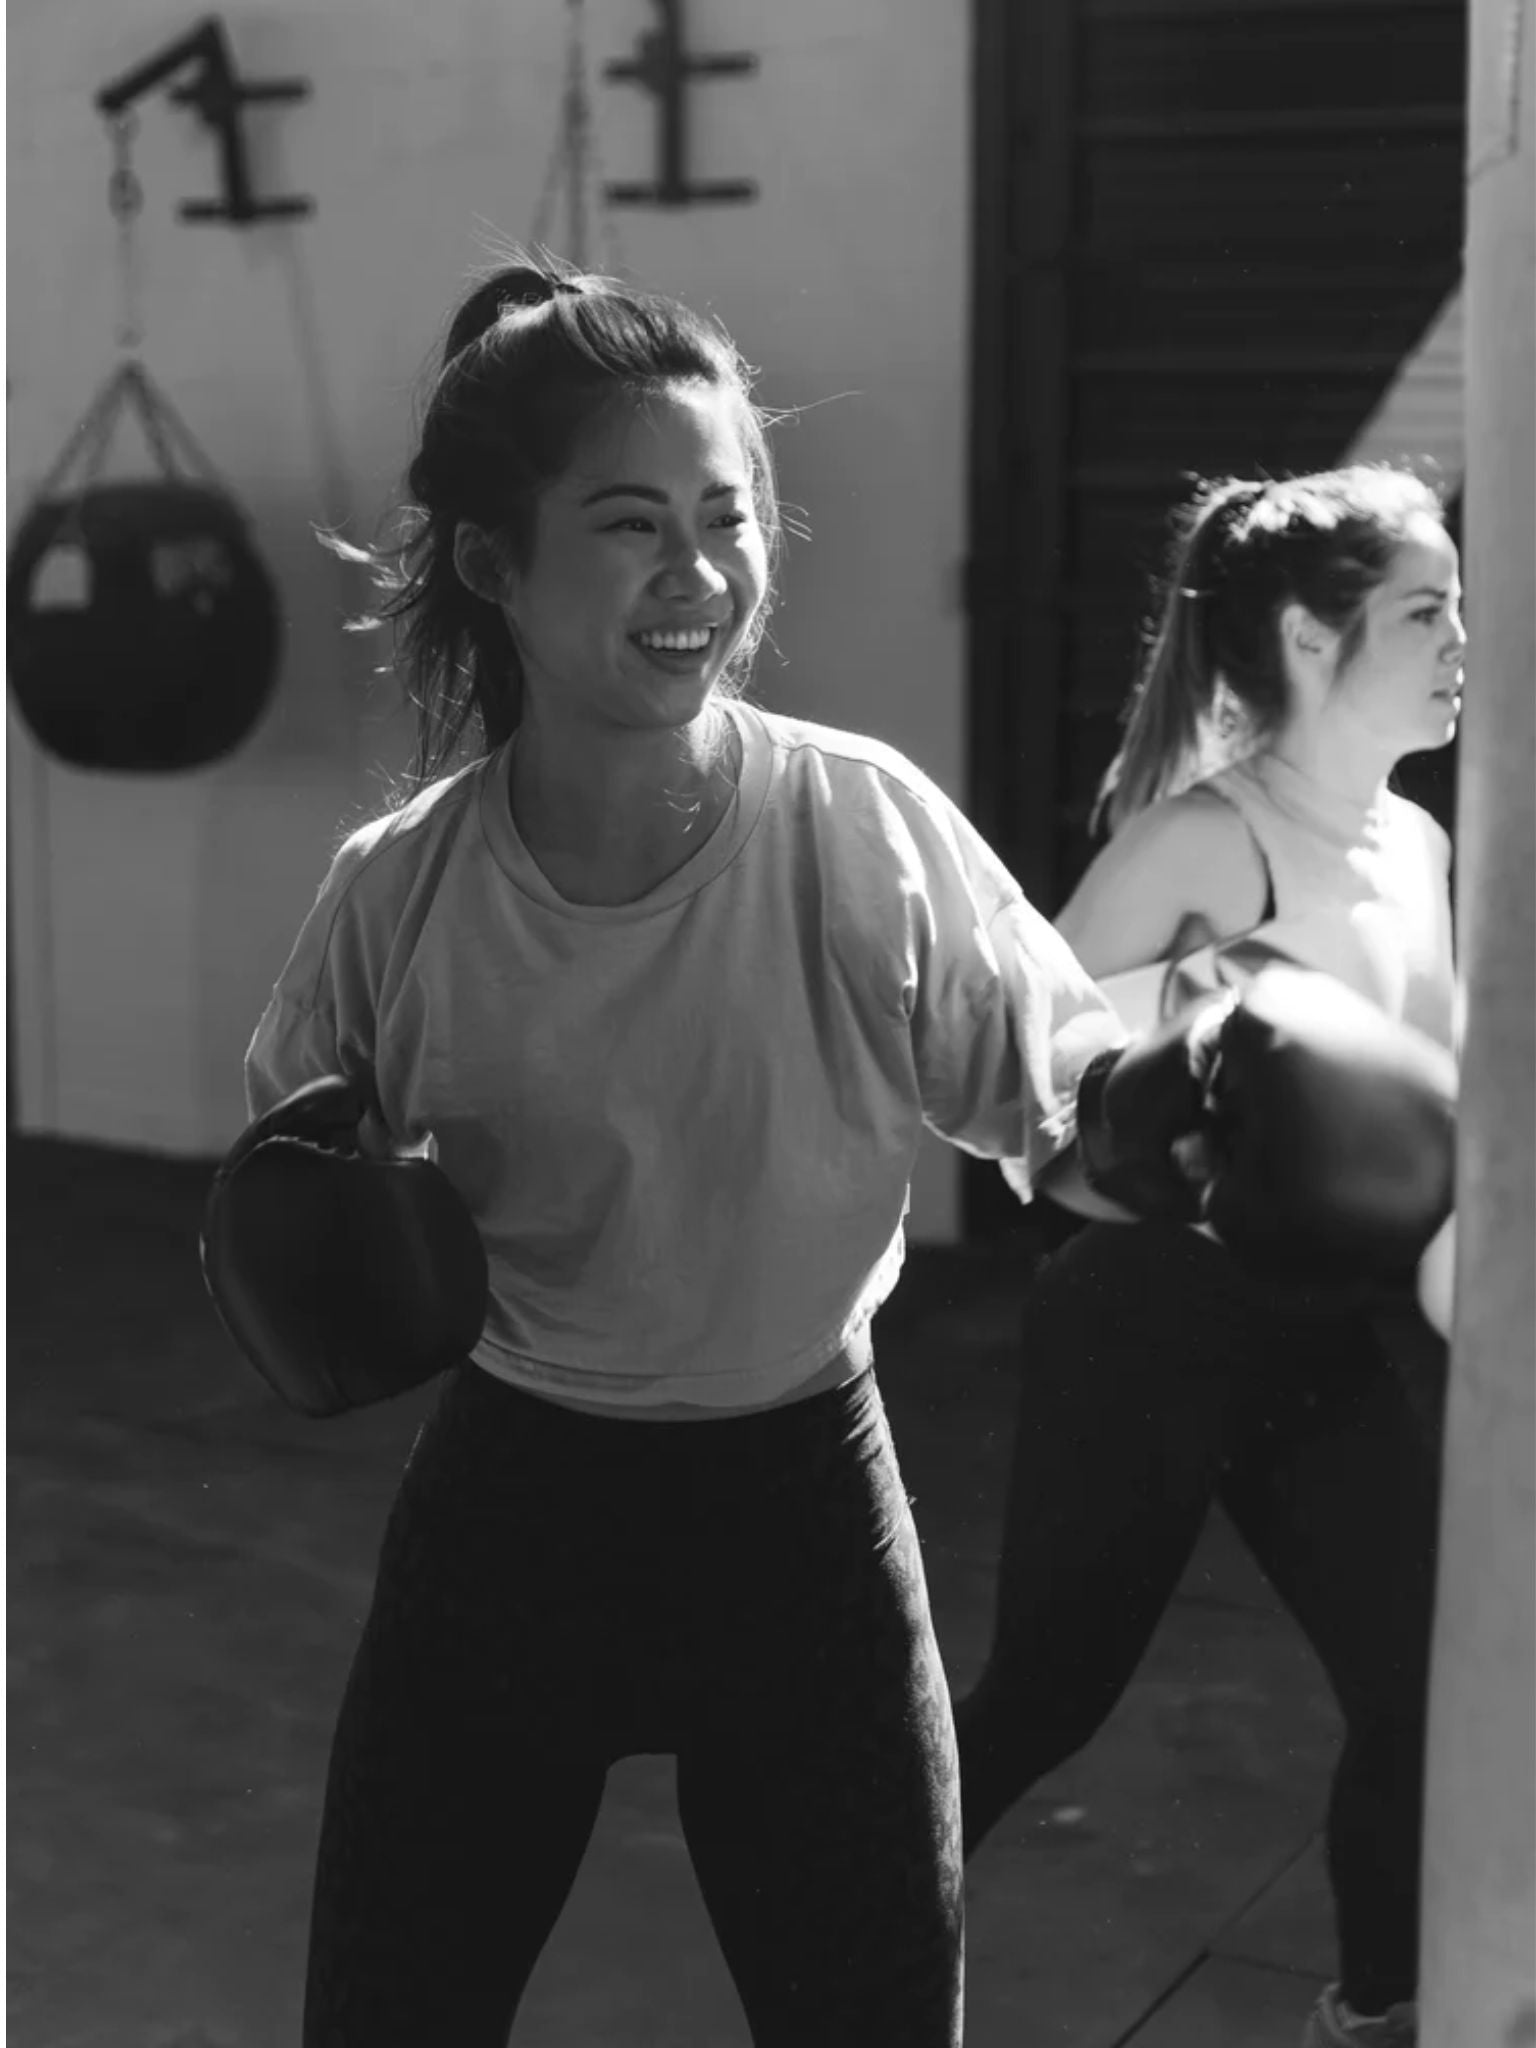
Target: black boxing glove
(1324, 1130)
(344, 1279)
(1331, 1134)
(1134, 1105)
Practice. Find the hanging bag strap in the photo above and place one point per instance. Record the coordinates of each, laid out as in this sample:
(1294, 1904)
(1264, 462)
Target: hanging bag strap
(129, 387)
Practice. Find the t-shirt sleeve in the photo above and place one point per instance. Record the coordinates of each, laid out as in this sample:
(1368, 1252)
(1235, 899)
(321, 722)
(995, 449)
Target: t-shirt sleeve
(321, 1016)
(1004, 1016)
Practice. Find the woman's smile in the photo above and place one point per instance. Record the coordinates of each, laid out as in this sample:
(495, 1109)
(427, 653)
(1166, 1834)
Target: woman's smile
(680, 650)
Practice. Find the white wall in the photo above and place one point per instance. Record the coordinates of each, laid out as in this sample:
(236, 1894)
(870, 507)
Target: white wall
(151, 916)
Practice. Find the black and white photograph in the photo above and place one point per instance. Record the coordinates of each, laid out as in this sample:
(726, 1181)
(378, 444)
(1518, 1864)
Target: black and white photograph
(771, 1024)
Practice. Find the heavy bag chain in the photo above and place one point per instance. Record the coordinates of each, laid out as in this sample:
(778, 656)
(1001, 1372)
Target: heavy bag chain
(574, 171)
(171, 441)
(125, 196)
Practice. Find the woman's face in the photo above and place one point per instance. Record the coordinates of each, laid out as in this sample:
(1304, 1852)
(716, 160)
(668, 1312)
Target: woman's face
(647, 568)
(1403, 684)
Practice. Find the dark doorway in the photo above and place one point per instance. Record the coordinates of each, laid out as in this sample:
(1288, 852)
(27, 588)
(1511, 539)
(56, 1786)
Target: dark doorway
(1206, 233)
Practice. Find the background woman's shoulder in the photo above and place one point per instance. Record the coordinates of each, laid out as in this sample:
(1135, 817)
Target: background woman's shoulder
(1418, 828)
(1186, 862)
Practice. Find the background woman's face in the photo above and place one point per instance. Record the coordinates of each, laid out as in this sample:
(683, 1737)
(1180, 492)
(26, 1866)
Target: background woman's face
(1404, 682)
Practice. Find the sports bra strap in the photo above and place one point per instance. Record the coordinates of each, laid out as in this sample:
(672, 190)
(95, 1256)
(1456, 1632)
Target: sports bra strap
(1269, 912)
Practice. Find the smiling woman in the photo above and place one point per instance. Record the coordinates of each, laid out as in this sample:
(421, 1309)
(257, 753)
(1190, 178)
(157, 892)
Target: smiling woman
(672, 985)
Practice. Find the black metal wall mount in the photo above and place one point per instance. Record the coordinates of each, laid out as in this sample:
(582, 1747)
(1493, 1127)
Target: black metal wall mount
(216, 95)
(663, 66)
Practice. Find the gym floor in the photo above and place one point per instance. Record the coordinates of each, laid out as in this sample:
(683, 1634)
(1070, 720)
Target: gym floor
(189, 1566)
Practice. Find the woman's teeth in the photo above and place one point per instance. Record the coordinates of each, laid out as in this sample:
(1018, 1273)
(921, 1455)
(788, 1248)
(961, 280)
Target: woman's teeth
(676, 642)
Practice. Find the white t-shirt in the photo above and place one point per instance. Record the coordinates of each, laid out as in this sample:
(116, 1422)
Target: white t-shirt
(685, 1126)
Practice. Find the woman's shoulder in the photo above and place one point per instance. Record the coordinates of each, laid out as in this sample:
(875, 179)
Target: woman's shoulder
(860, 784)
(869, 805)
(386, 850)
(859, 754)
(1187, 860)
(1418, 827)
(1182, 834)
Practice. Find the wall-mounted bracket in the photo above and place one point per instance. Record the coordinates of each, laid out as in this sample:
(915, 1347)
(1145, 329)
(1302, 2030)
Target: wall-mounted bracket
(663, 67)
(216, 95)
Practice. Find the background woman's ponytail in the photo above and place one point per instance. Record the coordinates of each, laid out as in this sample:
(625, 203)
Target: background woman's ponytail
(1173, 713)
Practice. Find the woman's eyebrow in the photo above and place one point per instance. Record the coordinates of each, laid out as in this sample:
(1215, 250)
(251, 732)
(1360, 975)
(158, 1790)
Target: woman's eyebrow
(651, 494)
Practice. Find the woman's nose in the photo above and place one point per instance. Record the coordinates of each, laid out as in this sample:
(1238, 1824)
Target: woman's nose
(689, 571)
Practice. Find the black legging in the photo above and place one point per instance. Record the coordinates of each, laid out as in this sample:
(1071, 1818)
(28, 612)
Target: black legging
(559, 1590)
(1156, 1379)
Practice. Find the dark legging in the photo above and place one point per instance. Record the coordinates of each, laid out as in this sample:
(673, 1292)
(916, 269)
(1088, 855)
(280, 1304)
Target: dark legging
(1155, 1380)
(557, 1591)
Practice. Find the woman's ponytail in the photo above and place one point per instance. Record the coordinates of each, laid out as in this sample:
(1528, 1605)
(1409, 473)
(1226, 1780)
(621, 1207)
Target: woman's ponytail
(1214, 685)
(1173, 709)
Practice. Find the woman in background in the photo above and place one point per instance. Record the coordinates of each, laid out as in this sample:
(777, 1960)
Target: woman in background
(1310, 638)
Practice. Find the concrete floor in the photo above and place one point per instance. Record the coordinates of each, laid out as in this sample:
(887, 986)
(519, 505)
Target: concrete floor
(189, 1565)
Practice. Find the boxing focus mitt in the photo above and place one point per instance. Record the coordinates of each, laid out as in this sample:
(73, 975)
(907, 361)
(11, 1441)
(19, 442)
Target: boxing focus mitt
(1325, 1130)
(344, 1279)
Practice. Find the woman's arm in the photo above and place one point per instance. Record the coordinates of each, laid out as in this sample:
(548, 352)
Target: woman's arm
(1184, 873)
(1005, 1010)
(320, 1020)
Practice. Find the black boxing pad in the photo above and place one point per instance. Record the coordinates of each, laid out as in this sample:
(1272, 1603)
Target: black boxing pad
(343, 1278)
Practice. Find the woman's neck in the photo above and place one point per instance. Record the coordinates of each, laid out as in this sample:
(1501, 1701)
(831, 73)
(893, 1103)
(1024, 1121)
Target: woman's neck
(1336, 756)
(609, 814)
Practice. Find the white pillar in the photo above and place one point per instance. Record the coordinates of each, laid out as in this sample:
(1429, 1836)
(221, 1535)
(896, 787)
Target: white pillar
(1478, 1987)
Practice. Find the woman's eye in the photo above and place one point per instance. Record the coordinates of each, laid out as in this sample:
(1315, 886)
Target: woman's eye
(636, 522)
(1427, 614)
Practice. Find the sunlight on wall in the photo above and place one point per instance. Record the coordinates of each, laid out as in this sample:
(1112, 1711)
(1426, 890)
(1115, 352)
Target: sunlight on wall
(151, 916)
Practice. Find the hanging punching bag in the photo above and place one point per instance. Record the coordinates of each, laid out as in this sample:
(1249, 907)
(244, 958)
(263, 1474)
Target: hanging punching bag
(144, 629)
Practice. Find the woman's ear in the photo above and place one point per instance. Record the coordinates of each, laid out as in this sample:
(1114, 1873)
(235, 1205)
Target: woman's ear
(1304, 636)
(478, 561)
